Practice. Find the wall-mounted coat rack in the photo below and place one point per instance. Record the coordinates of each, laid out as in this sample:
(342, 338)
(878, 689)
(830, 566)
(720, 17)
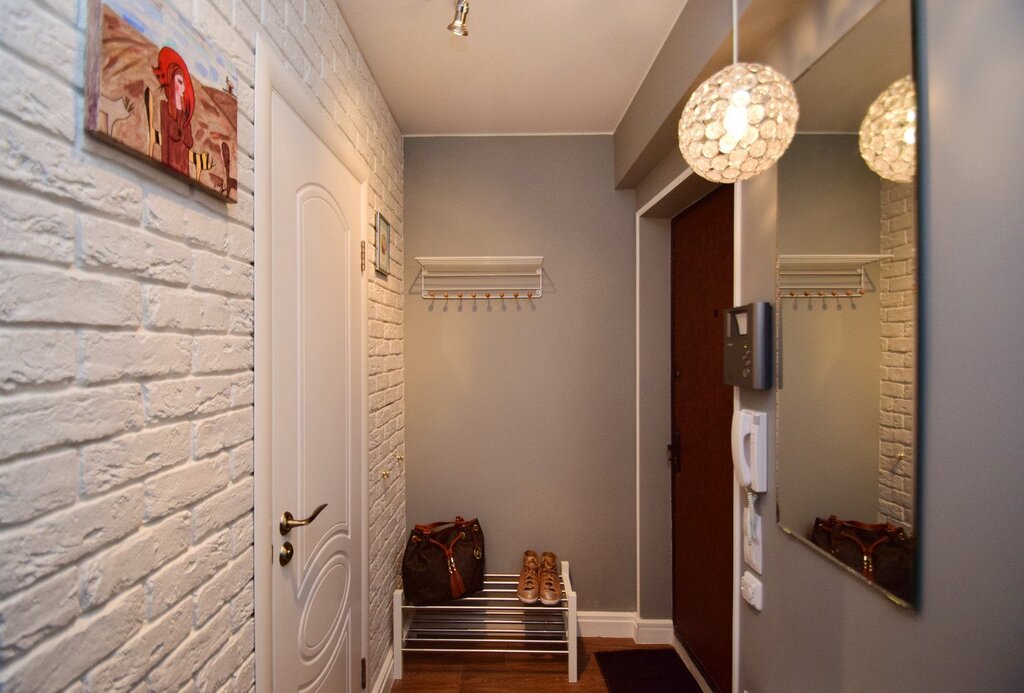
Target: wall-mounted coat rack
(808, 276)
(481, 278)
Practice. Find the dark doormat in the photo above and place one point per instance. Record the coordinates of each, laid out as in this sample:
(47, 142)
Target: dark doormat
(645, 671)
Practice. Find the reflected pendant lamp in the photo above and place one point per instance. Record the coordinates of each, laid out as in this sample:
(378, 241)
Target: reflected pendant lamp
(739, 121)
(888, 133)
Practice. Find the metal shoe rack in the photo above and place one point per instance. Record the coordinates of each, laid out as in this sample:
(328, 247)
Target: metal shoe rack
(491, 621)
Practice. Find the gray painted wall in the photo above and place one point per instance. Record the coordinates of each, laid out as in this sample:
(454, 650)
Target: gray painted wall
(822, 630)
(828, 384)
(524, 415)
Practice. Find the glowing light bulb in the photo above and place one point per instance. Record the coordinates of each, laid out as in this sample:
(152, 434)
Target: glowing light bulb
(735, 121)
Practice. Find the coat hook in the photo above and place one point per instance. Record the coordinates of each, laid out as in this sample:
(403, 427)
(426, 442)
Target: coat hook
(502, 295)
(473, 295)
(516, 295)
(432, 294)
(446, 295)
(487, 295)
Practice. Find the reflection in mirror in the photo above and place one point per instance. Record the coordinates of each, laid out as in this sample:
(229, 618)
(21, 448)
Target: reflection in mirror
(847, 314)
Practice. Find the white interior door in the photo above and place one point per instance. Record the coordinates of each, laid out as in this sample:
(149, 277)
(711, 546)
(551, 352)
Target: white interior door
(315, 408)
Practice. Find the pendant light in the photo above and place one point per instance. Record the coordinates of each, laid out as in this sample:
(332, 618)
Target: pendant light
(458, 25)
(888, 134)
(739, 121)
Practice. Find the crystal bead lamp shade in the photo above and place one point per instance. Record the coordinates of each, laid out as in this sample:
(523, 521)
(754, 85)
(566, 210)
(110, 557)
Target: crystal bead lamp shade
(888, 134)
(738, 123)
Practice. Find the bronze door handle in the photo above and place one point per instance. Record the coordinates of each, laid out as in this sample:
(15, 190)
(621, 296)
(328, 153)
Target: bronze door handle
(288, 521)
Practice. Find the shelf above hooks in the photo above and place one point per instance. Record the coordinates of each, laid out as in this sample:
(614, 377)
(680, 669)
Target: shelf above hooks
(823, 275)
(482, 277)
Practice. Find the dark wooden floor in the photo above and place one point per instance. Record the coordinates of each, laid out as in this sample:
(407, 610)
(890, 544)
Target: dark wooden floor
(496, 673)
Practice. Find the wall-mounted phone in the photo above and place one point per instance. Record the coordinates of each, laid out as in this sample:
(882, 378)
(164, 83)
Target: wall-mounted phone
(750, 449)
(747, 357)
(750, 458)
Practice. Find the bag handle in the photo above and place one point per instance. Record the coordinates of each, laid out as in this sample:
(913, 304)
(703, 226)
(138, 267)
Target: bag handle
(886, 527)
(867, 553)
(429, 529)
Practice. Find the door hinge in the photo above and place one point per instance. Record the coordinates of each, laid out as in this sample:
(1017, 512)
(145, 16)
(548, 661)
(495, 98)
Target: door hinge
(362, 672)
(362, 268)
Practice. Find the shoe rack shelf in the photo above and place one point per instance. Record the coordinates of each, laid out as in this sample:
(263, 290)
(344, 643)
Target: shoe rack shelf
(492, 621)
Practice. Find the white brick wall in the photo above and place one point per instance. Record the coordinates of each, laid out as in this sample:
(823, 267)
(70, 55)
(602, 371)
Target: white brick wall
(898, 299)
(126, 319)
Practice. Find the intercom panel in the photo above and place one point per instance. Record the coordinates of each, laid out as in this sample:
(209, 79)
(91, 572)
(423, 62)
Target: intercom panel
(747, 360)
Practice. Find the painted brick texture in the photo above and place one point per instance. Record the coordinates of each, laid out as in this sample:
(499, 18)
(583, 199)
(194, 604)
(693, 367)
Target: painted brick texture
(898, 298)
(126, 355)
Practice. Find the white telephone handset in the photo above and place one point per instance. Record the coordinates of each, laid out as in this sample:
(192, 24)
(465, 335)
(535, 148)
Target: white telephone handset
(749, 449)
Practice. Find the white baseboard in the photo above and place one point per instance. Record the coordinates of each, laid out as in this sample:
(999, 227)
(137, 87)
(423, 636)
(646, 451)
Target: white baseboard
(624, 624)
(606, 624)
(385, 677)
(654, 631)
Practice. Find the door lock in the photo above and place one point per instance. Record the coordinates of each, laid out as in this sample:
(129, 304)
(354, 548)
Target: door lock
(675, 451)
(287, 551)
(288, 521)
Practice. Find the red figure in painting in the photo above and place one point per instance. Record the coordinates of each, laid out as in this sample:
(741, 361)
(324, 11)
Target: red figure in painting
(176, 112)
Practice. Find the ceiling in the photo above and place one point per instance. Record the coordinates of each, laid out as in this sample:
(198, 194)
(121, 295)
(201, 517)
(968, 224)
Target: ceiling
(527, 66)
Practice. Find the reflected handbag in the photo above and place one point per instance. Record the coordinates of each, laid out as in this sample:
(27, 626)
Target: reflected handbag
(882, 553)
(443, 561)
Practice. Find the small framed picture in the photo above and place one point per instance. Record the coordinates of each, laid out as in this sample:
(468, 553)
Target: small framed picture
(383, 243)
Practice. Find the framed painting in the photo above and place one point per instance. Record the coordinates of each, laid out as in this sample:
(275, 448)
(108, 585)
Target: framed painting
(157, 89)
(383, 243)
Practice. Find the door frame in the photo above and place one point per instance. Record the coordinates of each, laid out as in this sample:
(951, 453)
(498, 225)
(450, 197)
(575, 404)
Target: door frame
(655, 217)
(273, 76)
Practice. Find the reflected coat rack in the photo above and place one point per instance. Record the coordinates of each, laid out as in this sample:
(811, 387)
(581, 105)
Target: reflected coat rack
(805, 276)
(482, 278)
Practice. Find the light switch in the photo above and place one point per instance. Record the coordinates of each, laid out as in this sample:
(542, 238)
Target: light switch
(752, 590)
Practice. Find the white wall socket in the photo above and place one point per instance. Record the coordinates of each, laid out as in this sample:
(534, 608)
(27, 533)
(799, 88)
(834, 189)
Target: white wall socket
(752, 590)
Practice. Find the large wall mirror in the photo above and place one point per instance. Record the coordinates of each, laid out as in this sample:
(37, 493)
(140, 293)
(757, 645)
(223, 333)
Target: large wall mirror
(847, 313)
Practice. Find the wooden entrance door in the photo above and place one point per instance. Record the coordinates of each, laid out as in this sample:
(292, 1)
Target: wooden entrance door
(702, 490)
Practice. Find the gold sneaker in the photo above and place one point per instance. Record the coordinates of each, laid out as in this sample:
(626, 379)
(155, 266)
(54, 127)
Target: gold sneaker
(528, 579)
(550, 586)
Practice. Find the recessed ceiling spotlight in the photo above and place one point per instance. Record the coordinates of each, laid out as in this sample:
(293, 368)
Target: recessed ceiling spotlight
(458, 25)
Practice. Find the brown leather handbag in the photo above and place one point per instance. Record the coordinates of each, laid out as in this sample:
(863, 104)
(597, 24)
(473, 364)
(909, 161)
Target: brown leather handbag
(883, 553)
(443, 561)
